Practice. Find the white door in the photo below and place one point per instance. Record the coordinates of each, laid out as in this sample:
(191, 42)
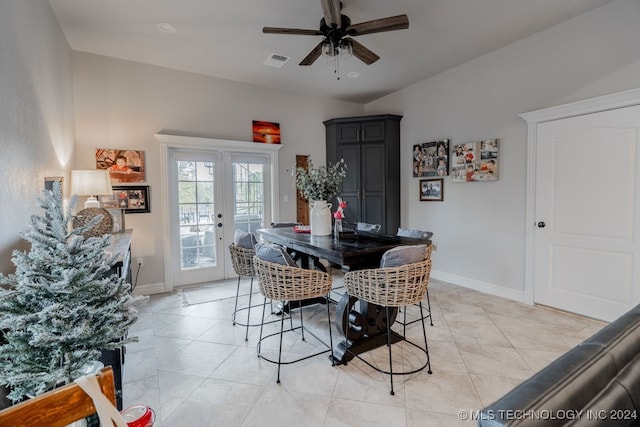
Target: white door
(196, 216)
(211, 195)
(587, 204)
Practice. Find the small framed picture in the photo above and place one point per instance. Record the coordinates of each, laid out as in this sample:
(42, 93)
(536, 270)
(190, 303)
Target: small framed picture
(133, 199)
(266, 132)
(49, 180)
(118, 219)
(432, 190)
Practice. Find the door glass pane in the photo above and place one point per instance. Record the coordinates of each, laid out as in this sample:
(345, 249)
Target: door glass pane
(196, 214)
(248, 186)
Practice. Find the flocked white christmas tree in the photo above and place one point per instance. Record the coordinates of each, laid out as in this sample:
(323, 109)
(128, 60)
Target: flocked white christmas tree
(61, 308)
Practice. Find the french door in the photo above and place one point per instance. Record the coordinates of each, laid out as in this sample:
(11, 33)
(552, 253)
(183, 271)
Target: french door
(214, 187)
(196, 217)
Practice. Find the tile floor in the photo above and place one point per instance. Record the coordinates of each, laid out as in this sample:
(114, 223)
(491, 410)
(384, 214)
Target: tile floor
(196, 369)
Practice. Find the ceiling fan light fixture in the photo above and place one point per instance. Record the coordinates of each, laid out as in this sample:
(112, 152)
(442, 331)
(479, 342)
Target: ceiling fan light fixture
(346, 50)
(328, 49)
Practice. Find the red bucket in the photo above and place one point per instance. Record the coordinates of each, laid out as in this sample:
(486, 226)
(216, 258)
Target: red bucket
(139, 416)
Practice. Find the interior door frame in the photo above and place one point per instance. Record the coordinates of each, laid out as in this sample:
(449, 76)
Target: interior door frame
(613, 101)
(168, 142)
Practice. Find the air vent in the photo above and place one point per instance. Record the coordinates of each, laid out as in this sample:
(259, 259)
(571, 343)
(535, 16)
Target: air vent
(275, 60)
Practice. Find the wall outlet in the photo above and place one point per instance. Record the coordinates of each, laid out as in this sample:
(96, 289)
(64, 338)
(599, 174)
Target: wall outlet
(140, 262)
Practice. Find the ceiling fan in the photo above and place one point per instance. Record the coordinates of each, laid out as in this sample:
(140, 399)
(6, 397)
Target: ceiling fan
(337, 32)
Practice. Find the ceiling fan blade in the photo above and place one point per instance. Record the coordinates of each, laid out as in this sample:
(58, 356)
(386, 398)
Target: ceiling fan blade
(312, 56)
(362, 53)
(392, 23)
(331, 11)
(295, 31)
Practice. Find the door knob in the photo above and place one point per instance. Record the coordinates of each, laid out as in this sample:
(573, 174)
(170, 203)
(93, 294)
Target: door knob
(541, 224)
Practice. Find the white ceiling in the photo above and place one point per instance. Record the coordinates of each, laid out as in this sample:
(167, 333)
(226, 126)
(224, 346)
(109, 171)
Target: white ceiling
(224, 38)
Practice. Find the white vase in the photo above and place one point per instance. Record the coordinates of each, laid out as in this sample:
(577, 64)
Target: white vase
(320, 218)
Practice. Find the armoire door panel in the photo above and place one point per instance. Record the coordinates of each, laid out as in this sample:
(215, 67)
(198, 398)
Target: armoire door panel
(372, 165)
(373, 209)
(351, 155)
(348, 132)
(373, 131)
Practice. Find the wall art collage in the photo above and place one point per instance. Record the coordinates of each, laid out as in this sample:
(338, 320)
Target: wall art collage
(464, 162)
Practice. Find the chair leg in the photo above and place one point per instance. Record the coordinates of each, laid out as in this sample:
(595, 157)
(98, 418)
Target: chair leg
(429, 308)
(280, 349)
(389, 347)
(404, 323)
(290, 317)
(246, 334)
(426, 346)
(235, 308)
(301, 323)
(264, 307)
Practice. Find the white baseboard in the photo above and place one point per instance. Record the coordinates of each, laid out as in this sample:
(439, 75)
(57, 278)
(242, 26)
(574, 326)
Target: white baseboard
(477, 285)
(150, 288)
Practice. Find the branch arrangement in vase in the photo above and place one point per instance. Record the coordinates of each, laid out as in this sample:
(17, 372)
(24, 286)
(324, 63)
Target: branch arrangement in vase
(320, 183)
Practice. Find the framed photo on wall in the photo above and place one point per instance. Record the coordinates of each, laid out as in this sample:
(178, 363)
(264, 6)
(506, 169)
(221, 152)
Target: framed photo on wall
(432, 190)
(475, 161)
(431, 158)
(49, 180)
(133, 199)
(266, 132)
(124, 166)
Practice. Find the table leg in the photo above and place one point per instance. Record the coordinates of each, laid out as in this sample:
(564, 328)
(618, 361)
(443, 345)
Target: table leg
(364, 324)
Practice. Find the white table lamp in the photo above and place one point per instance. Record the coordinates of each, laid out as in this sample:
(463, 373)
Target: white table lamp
(92, 183)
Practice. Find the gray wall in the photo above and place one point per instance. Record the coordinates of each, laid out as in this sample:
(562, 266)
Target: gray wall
(122, 104)
(480, 227)
(36, 114)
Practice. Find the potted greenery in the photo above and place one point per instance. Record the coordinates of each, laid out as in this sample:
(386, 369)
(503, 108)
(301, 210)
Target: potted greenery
(61, 308)
(319, 185)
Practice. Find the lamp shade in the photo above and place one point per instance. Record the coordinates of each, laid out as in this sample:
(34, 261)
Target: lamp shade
(90, 182)
(95, 182)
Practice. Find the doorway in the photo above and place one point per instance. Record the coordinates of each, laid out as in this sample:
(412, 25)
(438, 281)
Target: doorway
(584, 241)
(213, 188)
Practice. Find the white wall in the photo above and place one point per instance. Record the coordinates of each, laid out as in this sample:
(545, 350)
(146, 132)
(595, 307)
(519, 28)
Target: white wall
(122, 104)
(36, 114)
(480, 227)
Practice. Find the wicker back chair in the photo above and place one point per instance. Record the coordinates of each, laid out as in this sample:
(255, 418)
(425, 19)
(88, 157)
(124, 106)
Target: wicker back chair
(292, 285)
(406, 322)
(242, 261)
(393, 287)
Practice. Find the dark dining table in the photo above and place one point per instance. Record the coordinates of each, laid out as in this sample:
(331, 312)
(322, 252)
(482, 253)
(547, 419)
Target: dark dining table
(351, 250)
(366, 322)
